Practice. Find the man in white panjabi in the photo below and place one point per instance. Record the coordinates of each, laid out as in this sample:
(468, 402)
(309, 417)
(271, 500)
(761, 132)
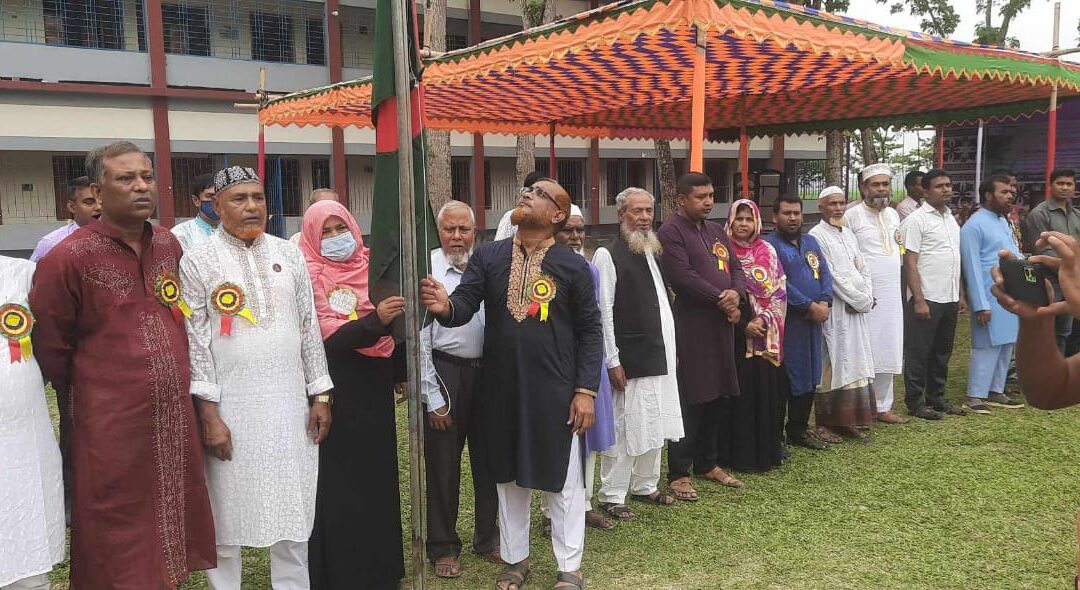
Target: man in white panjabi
(639, 348)
(844, 403)
(876, 227)
(31, 485)
(259, 375)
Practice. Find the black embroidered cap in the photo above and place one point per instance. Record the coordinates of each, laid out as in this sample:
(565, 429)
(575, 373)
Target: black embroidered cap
(234, 175)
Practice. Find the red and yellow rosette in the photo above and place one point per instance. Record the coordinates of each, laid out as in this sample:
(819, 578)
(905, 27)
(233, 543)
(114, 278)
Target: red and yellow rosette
(344, 301)
(900, 242)
(814, 262)
(16, 324)
(721, 252)
(167, 291)
(541, 292)
(228, 301)
(759, 274)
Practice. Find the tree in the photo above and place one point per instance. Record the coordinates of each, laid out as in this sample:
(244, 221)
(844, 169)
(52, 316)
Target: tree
(439, 181)
(666, 167)
(834, 140)
(533, 13)
(989, 34)
(938, 16)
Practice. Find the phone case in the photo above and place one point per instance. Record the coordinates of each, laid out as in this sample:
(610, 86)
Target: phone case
(1025, 281)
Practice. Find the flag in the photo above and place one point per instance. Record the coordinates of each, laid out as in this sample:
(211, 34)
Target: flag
(385, 270)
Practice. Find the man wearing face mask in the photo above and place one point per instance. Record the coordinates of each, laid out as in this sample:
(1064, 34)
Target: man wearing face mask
(876, 228)
(260, 379)
(206, 220)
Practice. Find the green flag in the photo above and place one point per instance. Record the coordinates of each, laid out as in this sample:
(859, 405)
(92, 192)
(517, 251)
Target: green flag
(385, 270)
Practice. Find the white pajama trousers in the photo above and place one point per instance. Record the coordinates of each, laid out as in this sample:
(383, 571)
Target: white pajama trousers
(883, 391)
(288, 567)
(567, 510)
(622, 473)
(38, 582)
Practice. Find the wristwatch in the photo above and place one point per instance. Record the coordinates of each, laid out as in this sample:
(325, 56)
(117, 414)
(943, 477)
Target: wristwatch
(325, 398)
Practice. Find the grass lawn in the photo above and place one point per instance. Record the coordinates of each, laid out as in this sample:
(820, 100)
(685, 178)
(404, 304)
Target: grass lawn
(972, 502)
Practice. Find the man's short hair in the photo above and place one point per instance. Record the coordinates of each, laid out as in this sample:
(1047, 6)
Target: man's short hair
(201, 183)
(786, 199)
(987, 187)
(94, 170)
(76, 184)
(930, 175)
(911, 179)
(620, 199)
(691, 180)
(453, 205)
(1001, 172)
(533, 177)
(315, 194)
(1059, 172)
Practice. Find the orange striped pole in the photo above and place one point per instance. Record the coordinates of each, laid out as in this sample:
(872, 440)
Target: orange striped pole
(697, 106)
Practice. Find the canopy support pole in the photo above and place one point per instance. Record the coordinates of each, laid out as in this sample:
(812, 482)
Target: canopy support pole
(1051, 115)
(409, 280)
(697, 106)
(978, 159)
(551, 152)
(744, 162)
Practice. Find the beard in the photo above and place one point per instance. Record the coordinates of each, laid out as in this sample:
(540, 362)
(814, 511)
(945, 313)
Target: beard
(642, 241)
(519, 217)
(458, 259)
(245, 232)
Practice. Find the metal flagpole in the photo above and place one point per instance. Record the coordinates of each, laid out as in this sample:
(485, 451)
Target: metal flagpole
(409, 286)
(1051, 115)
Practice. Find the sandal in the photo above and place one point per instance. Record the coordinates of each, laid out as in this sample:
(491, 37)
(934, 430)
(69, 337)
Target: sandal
(722, 477)
(515, 575)
(594, 520)
(569, 581)
(858, 434)
(618, 511)
(683, 489)
(658, 498)
(492, 557)
(448, 567)
(828, 435)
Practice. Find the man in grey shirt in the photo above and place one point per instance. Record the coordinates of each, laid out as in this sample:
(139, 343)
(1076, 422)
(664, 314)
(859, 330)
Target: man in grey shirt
(1056, 213)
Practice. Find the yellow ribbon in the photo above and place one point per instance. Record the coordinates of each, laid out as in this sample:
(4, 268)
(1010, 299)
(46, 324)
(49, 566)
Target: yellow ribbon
(184, 309)
(353, 316)
(25, 347)
(246, 314)
(543, 312)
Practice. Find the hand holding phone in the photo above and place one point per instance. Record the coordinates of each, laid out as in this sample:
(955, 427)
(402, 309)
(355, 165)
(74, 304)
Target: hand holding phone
(1025, 281)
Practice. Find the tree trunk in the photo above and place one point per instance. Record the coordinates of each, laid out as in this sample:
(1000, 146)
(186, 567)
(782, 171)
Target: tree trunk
(869, 150)
(439, 180)
(834, 158)
(666, 168)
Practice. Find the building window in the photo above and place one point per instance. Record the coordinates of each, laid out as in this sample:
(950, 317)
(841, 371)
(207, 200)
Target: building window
(84, 23)
(571, 176)
(271, 37)
(455, 42)
(184, 171)
(316, 45)
(459, 179)
(186, 29)
(717, 171)
(623, 174)
(320, 173)
(283, 187)
(65, 169)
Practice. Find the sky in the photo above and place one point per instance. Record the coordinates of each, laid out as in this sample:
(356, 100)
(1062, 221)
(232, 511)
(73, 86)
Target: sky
(1032, 27)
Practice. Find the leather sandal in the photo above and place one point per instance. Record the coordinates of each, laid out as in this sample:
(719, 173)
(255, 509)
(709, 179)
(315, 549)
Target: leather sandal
(448, 567)
(569, 581)
(722, 477)
(684, 490)
(515, 575)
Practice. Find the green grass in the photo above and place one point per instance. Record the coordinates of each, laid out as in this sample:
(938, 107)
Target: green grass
(973, 502)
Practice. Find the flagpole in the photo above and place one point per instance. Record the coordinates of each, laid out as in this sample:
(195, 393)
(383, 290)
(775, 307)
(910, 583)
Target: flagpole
(409, 286)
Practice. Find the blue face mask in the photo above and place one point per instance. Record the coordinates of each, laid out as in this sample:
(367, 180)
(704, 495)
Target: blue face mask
(207, 209)
(340, 247)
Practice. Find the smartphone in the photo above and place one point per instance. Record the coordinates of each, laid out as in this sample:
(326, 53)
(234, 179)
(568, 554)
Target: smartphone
(1025, 281)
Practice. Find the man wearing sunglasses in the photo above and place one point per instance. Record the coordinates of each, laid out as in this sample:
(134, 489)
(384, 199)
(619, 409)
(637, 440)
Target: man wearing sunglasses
(543, 349)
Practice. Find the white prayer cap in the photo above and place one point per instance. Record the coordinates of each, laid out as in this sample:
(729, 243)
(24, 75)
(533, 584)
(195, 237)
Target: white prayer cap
(575, 211)
(874, 170)
(830, 191)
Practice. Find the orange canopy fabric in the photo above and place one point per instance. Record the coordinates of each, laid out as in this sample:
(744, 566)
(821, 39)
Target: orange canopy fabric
(626, 70)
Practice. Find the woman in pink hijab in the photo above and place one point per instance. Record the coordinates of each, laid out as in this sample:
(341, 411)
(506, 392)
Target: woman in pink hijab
(356, 541)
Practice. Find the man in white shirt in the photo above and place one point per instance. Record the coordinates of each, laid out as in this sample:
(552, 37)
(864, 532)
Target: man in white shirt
(913, 186)
(206, 220)
(932, 265)
(452, 368)
(319, 194)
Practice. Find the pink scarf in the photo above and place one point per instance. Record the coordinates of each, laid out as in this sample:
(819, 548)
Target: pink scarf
(328, 276)
(766, 286)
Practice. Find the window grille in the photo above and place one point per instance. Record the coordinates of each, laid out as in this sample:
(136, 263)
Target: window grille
(184, 171)
(571, 176)
(83, 23)
(65, 169)
(186, 29)
(623, 174)
(320, 173)
(283, 187)
(316, 42)
(357, 36)
(459, 179)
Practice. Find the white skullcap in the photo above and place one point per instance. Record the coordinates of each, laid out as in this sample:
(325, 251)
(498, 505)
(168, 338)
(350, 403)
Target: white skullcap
(575, 211)
(829, 191)
(874, 170)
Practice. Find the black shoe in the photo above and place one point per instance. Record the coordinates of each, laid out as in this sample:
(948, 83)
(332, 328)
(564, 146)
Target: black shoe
(927, 413)
(976, 405)
(807, 440)
(947, 408)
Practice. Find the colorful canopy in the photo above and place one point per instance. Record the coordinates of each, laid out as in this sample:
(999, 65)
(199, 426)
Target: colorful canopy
(626, 70)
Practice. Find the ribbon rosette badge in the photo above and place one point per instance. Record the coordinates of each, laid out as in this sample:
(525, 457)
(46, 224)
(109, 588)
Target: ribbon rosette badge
(228, 300)
(759, 274)
(343, 301)
(721, 252)
(541, 292)
(16, 324)
(899, 242)
(814, 262)
(167, 290)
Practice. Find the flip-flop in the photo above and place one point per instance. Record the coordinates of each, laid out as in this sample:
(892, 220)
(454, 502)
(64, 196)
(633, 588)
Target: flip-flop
(828, 435)
(658, 498)
(618, 511)
(724, 479)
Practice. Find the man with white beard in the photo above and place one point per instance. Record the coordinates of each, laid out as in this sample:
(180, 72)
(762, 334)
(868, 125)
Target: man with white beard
(639, 348)
(453, 368)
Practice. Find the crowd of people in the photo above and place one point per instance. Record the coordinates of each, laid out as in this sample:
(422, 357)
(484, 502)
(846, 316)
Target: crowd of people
(222, 388)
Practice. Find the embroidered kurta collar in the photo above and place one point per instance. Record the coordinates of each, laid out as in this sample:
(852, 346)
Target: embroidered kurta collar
(238, 243)
(524, 269)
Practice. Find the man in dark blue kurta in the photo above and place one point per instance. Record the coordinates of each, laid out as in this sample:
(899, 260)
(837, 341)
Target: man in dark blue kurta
(809, 289)
(543, 350)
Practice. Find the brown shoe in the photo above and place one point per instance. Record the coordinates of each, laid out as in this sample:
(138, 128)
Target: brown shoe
(892, 418)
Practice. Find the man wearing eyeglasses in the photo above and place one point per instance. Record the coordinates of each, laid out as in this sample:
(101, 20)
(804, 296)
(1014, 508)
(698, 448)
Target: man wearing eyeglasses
(543, 351)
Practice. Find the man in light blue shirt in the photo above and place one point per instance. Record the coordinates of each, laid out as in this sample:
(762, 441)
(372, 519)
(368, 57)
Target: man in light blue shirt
(206, 219)
(452, 367)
